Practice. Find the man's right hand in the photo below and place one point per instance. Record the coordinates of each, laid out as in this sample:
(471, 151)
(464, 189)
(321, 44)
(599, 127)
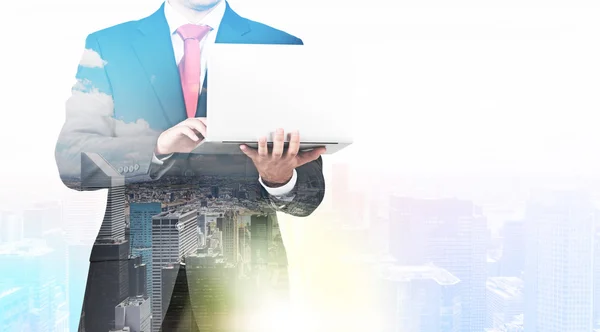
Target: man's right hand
(181, 138)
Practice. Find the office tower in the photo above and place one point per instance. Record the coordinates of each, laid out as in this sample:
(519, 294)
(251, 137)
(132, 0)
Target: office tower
(141, 234)
(11, 227)
(596, 273)
(133, 313)
(230, 237)
(504, 300)
(26, 265)
(78, 256)
(176, 300)
(97, 173)
(141, 223)
(559, 262)
(41, 218)
(202, 222)
(137, 277)
(14, 308)
(219, 223)
(244, 249)
(108, 284)
(81, 217)
(512, 262)
(108, 278)
(34, 223)
(420, 299)
(55, 239)
(260, 240)
(214, 191)
(61, 319)
(449, 233)
(214, 291)
(173, 237)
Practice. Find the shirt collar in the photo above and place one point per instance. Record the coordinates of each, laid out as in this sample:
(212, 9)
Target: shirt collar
(212, 19)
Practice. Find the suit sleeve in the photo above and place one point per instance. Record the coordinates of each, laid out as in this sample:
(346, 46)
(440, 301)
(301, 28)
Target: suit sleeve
(307, 194)
(91, 134)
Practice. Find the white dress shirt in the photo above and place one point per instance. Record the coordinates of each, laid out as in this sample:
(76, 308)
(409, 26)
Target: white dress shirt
(212, 19)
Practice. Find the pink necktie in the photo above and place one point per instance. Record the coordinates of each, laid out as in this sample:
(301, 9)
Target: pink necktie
(189, 66)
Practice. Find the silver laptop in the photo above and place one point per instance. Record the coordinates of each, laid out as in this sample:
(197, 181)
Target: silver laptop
(255, 89)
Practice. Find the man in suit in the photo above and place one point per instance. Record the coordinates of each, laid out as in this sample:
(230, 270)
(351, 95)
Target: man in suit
(136, 112)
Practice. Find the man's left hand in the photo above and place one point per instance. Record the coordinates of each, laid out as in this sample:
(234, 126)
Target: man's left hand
(276, 167)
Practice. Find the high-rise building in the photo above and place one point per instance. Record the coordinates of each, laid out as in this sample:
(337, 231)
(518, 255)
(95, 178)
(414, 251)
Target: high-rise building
(108, 284)
(78, 256)
(260, 240)
(202, 222)
(97, 173)
(214, 191)
(559, 262)
(137, 277)
(420, 299)
(34, 223)
(11, 227)
(141, 223)
(28, 264)
(176, 300)
(133, 313)
(504, 300)
(449, 233)
(230, 237)
(108, 278)
(596, 273)
(174, 236)
(214, 294)
(141, 234)
(512, 262)
(14, 308)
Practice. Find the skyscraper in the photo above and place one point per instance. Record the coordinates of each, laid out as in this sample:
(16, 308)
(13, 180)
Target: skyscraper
(213, 289)
(141, 234)
(420, 299)
(504, 300)
(230, 237)
(108, 278)
(214, 191)
(174, 236)
(28, 265)
(559, 263)
(97, 173)
(512, 262)
(14, 308)
(141, 223)
(133, 313)
(449, 233)
(11, 227)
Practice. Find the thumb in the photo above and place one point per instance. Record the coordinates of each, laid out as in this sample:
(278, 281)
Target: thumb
(308, 156)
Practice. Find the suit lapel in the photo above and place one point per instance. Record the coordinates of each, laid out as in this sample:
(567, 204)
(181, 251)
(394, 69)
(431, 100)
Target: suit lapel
(154, 50)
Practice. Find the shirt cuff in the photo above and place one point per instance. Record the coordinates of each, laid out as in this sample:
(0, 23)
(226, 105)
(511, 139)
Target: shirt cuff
(157, 161)
(283, 190)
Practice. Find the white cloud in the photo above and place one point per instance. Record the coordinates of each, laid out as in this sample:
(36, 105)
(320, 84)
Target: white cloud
(92, 59)
(90, 126)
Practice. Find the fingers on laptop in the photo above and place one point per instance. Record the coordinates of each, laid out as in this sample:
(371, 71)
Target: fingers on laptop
(294, 139)
(263, 150)
(194, 124)
(278, 140)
